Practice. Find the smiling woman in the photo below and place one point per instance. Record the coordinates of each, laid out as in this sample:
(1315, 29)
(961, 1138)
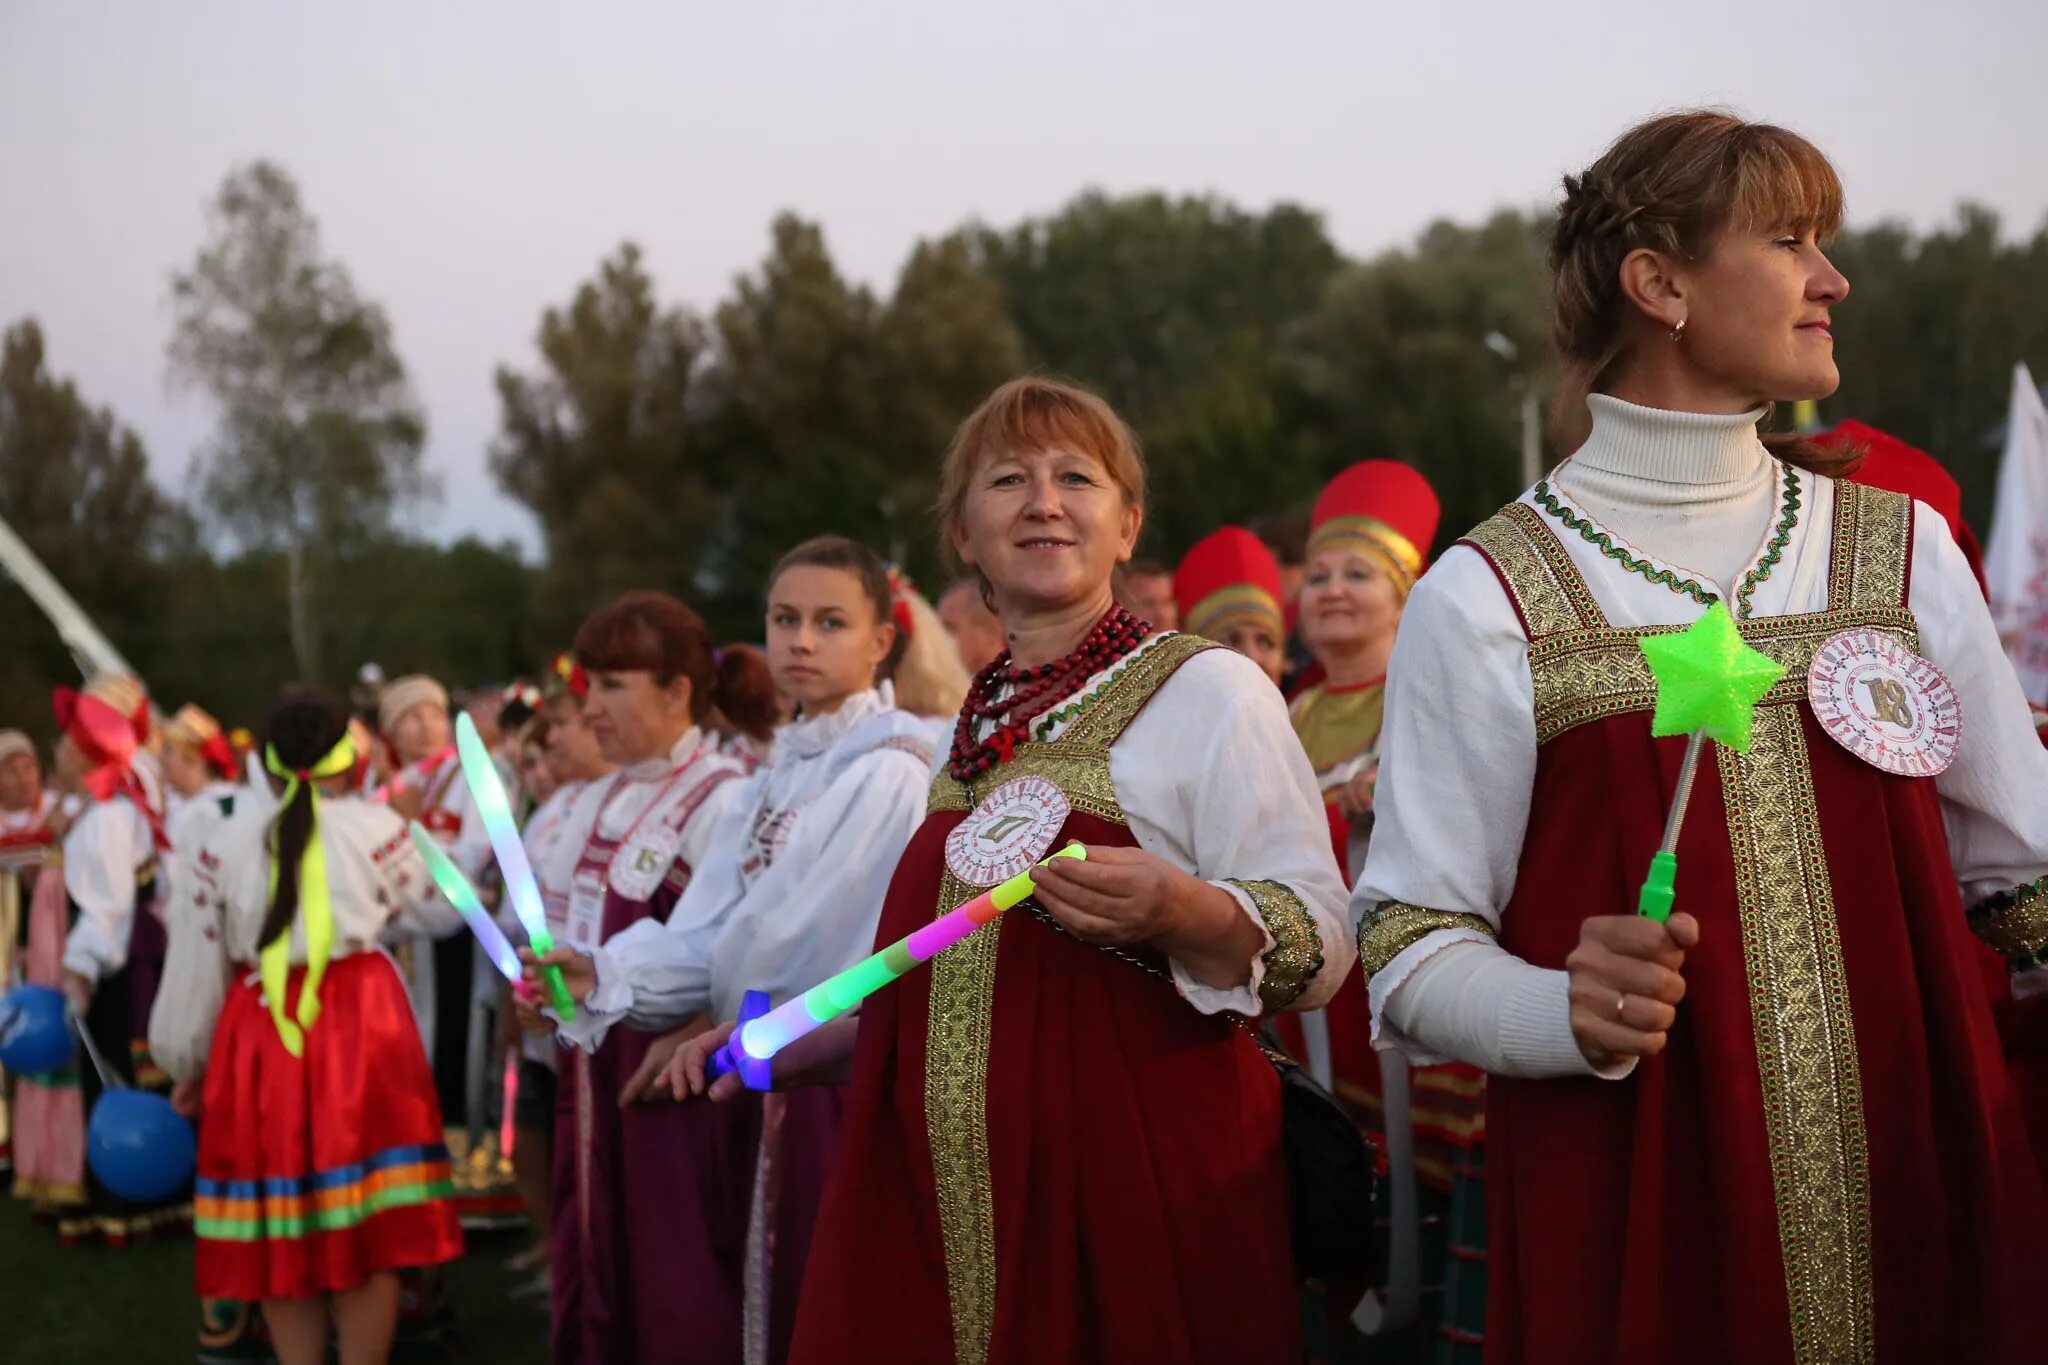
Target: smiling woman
(1060, 1144)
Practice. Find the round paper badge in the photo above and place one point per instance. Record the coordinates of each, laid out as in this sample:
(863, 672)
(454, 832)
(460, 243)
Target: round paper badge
(1885, 704)
(1012, 828)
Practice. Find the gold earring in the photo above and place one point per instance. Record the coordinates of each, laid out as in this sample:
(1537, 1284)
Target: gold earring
(1678, 332)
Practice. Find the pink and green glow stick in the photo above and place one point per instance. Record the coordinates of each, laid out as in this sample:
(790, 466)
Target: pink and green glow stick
(763, 1032)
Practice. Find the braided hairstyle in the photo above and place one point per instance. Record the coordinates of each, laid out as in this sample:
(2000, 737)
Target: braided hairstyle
(1673, 184)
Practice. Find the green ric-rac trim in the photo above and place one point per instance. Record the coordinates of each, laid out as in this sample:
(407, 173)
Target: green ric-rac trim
(1774, 552)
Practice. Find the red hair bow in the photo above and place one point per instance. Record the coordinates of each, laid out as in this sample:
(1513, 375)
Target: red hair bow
(107, 740)
(219, 754)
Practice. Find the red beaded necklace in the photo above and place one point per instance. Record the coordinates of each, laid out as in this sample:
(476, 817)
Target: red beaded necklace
(1037, 690)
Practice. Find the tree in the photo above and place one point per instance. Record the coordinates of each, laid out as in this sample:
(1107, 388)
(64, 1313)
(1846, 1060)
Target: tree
(599, 444)
(1395, 362)
(75, 485)
(1173, 309)
(831, 410)
(320, 437)
(1929, 333)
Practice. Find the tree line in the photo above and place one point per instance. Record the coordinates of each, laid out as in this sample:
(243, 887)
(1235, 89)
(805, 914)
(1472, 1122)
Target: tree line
(661, 446)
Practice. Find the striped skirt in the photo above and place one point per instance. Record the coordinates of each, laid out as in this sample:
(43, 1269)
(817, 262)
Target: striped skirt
(317, 1172)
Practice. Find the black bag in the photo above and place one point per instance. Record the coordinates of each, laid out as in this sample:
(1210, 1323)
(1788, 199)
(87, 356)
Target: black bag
(1331, 1174)
(1331, 1170)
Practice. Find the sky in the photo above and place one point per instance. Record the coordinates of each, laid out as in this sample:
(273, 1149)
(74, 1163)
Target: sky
(470, 163)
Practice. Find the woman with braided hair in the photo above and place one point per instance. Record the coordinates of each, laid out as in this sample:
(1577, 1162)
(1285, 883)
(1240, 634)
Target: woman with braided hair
(1747, 1132)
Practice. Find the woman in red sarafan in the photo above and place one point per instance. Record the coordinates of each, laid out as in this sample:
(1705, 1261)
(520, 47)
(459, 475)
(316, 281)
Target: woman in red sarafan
(1060, 1143)
(1748, 1133)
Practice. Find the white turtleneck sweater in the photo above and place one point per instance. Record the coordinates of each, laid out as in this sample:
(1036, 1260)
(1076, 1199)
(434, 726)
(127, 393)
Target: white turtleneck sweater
(1696, 489)
(1697, 494)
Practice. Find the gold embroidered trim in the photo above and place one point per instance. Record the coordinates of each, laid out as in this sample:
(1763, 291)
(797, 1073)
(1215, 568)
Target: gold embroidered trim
(1079, 770)
(1121, 701)
(1550, 593)
(957, 1033)
(1297, 952)
(963, 986)
(1077, 760)
(1394, 926)
(1580, 676)
(1869, 561)
(1805, 1039)
(2014, 924)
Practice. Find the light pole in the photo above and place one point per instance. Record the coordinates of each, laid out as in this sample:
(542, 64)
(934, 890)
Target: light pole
(1532, 439)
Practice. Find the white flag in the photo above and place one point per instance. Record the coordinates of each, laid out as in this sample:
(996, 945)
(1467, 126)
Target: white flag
(2016, 559)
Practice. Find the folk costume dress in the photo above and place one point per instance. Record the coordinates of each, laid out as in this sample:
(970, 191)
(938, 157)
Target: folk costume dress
(1831, 1119)
(628, 850)
(1387, 512)
(1053, 1151)
(321, 1160)
(113, 858)
(28, 844)
(788, 894)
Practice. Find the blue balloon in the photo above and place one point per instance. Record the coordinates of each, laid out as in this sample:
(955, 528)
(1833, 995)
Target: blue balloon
(139, 1147)
(34, 1034)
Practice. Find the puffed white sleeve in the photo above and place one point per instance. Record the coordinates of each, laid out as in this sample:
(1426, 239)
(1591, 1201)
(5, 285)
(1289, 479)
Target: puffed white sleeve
(814, 911)
(656, 974)
(1218, 784)
(195, 979)
(1457, 765)
(417, 906)
(1994, 796)
(101, 854)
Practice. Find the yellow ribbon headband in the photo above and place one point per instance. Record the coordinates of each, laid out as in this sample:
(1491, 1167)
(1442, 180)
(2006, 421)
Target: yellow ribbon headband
(316, 911)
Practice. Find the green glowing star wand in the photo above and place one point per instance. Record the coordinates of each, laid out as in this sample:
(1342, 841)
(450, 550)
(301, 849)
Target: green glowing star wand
(1708, 684)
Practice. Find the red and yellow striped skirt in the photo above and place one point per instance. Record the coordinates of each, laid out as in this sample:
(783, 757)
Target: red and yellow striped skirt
(316, 1172)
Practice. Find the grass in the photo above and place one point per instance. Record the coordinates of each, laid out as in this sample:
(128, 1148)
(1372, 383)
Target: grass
(135, 1306)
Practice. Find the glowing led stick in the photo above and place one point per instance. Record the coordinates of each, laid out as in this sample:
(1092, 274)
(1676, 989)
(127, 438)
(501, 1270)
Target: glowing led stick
(448, 877)
(763, 1032)
(496, 813)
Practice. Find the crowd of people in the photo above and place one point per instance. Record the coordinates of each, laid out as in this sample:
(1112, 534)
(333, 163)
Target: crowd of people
(1360, 819)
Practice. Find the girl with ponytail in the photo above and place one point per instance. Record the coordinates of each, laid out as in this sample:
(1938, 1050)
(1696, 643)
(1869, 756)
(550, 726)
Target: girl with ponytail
(287, 1030)
(787, 889)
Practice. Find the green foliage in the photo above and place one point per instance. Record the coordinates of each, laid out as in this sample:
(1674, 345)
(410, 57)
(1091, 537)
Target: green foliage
(659, 448)
(599, 446)
(830, 410)
(661, 453)
(1173, 309)
(75, 485)
(1394, 362)
(1929, 334)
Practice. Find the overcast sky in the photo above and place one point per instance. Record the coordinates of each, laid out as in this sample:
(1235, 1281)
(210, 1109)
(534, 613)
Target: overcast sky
(470, 163)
